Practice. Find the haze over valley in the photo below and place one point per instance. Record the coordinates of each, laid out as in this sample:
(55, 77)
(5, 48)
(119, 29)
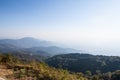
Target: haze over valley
(59, 39)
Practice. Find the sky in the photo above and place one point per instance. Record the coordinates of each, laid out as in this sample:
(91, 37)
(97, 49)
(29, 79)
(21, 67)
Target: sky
(89, 25)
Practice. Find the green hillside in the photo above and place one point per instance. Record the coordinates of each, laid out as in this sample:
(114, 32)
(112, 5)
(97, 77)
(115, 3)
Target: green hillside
(76, 62)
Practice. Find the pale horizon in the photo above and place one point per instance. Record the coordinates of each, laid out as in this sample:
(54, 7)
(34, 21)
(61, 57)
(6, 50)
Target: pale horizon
(88, 25)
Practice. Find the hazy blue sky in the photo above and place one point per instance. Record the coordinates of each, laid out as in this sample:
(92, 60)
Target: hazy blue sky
(80, 23)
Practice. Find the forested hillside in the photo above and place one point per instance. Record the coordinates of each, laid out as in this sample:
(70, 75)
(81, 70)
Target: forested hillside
(85, 62)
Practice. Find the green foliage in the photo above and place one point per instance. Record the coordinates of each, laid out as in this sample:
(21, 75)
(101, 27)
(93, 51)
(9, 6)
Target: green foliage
(88, 73)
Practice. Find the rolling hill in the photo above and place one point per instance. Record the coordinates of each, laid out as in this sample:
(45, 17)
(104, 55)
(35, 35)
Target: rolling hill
(77, 62)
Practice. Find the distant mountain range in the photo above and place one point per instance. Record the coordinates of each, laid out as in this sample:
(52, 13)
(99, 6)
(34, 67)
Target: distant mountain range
(26, 42)
(32, 46)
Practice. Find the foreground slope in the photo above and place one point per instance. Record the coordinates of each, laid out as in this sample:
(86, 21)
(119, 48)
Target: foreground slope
(14, 69)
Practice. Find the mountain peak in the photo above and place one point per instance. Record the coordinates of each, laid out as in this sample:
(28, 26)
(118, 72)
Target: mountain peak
(27, 38)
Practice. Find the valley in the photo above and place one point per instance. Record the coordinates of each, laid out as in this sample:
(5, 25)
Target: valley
(16, 61)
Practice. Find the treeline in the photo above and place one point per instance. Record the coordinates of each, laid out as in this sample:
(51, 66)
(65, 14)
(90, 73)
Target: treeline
(103, 76)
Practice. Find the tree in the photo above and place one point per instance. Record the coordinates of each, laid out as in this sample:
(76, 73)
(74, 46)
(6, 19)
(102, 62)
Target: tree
(95, 77)
(116, 75)
(88, 73)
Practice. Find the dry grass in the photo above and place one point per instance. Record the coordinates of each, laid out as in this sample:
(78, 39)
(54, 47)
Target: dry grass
(4, 72)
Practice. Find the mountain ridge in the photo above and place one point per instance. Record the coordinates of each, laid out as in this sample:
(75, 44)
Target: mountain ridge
(33, 45)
